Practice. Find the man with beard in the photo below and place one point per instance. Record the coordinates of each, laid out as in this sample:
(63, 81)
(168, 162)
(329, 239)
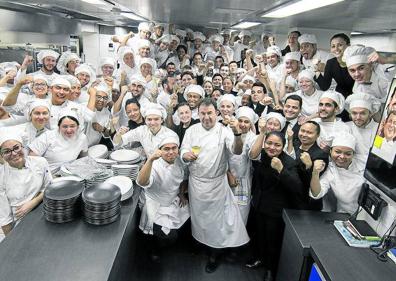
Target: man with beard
(86, 75)
(362, 107)
(47, 58)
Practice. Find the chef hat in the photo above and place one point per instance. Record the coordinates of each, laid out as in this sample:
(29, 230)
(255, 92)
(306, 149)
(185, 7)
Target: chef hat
(174, 139)
(265, 34)
(64, 59)
(86, 69)
(181, 33)
(292, 56)
(103, 87)
(306, 73)
(68, 112)
(7, 134)
(46, 53)
(216, 37)
(158, 24)
(40, 77)
(60, 81)
(8, 66)
(225, 31)
(278, 116)
(307, 38)
(245, 111)
(166, 39)
(248, 77)
(145, 26)
(356, 54)
(36, 103)
(72, 80)
(175, 38)
(363, 100)
(149, 61)
(153, 109)
(274, 50)
(194, 89)
(199, 35)
(291, 81)
(107, 61)
(244, 33)
(123, 51)
(344, 139)
(144, 43)
(337, 97)
(137, 79)
(247, 92)
(226, 97)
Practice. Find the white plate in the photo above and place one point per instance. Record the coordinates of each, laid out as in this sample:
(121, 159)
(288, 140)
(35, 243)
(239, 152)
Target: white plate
(124, 155)
(105, 161)
(124, 183)
(122, 167)
(68, 178)
(97, 151)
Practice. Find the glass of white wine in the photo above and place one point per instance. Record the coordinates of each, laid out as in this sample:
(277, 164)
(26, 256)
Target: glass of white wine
(196, 149)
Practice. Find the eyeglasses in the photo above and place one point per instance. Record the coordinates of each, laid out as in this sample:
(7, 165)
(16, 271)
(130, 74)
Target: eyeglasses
(7, 152)
(102, 98)
(39, 85)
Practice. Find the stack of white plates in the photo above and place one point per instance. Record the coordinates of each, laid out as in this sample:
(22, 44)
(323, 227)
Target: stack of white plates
(106, 162)
(124, 183)
(64, 172)
(98, 179)
(98, 151)
(125, 156)
(131, 171)
(69, 178)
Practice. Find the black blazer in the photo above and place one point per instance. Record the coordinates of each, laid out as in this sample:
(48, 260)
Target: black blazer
(271, 191)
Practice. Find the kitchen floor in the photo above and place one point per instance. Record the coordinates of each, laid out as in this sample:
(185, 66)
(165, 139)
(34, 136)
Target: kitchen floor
(186, 260)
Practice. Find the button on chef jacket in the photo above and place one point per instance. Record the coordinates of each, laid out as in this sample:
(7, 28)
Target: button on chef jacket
(18, 186)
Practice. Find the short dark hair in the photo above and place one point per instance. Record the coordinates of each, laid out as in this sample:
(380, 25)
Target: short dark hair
(187, 73)
(317, 126)
(232, 62)
(223, 64)
(219, 57)
(170, 63)
(181, 47)
(295, 31)
(343, 36)
(196, 54)
(259, 84)
(217, 74)
(296, 98)
(182, 104)
(132, 100)
(207, 102)
(68, 117)
(278, 134)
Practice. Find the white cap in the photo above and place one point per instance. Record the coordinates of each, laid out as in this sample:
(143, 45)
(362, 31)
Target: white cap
(173, 139)
(153, 109)
(248, 77)
(291, 81)
(356, 54)
(194, 89)
(36, 103)
(86, 69)
(46, 53)
(245, 111)
(8, 66)
(73, 80)
(175, 38)
(107, 61)
(64, 60)
(307, 38)
(216, 37)
(337, 97)
(143, 43)
(278, 116)
(274, 50)
(306, 73)
(181, 33)
(123, 51)
(189, 30)
(199, 35)
(344, 139)
(103, 87)
(226, 97)
(137, 79)
(244, 33)
(362, 100)
(145, 26)
(247, 92)
(292, 56)
(7, 134)
(61, 81)
(68, 112)
(166, 39)
(149, 61)
(40, 77)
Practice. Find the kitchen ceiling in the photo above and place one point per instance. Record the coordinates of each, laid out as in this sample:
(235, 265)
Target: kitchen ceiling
(353, 15)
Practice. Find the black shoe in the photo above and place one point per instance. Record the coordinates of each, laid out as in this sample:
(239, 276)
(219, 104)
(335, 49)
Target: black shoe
(254, 263)
(268, 276)
(211, 266)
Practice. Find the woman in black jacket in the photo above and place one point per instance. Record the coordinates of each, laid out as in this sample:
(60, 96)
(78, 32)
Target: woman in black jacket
(276, 186)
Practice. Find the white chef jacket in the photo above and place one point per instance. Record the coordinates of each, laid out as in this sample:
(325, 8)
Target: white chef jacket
(58, 150)
(329, 129)
(4, 90)
(28, 132)
(310, 103)
(378, 86)
(103, 118)
(365, 137)
(238, 48)
(123, 121)
(320, 55)
(275, 73)
(241, 168)
(12, 121)
(84, 114)
(215, 217)
(18, 186)
(21, 105)
(161, 203)
(345, 184)
(128, 70)
(49, 77)
(149, 141)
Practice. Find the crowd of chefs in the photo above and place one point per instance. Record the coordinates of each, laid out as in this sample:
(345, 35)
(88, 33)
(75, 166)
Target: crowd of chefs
(234, 129)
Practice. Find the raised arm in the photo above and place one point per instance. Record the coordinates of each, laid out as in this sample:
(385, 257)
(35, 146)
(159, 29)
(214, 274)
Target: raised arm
(143, 178)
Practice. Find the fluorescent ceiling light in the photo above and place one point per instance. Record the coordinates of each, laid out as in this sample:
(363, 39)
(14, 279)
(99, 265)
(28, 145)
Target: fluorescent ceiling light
(218, 22)
(246, 24)
(96, 2)
(356, 33)
(298, 7)
(132, 16)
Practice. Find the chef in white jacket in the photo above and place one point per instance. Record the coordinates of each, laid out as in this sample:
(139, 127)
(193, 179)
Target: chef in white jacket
(164, 208)
(215, 217)
(22, 180)
(343, 176)
(362, 107)
(312, 58)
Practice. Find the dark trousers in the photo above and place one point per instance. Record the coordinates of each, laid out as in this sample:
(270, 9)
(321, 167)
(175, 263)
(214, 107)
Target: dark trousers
(163, 240)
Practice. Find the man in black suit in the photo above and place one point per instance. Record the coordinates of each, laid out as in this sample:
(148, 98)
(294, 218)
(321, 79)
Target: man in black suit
(291, 111)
